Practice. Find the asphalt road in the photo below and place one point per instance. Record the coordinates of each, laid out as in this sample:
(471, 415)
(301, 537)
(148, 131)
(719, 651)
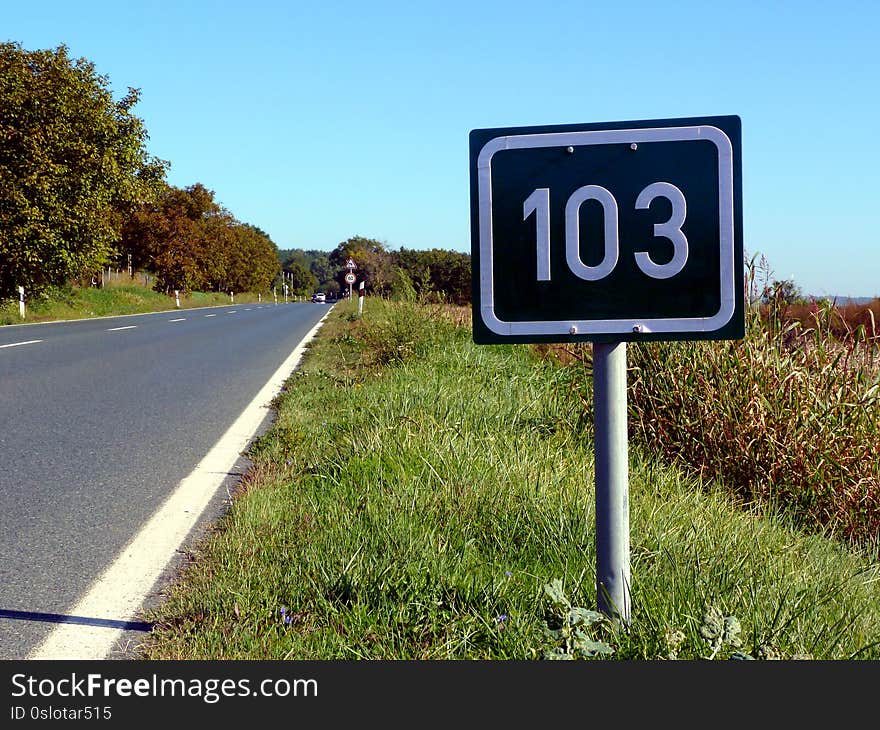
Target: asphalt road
(101, 420)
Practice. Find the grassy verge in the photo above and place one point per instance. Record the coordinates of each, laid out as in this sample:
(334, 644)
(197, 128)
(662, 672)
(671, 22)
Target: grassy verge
(116, 299)
(420, 497)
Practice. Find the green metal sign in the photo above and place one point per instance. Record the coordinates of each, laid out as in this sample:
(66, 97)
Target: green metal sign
(623, 231)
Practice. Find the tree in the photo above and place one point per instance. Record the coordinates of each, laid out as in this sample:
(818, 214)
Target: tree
(374, 263)
(72, 166)
(253, 259)
(300, 280)
(437, 273)
(784, 292)
(190, 242)
(172, 237)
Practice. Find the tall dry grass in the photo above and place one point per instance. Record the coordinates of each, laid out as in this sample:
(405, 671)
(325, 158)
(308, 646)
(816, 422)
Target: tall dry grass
(788, 417)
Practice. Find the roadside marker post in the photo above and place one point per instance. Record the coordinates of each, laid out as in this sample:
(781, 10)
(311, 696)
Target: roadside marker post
(21, 301)
(361, 298)
(608, 233)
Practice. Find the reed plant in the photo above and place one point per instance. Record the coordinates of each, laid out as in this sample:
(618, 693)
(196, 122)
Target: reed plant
(788, 418)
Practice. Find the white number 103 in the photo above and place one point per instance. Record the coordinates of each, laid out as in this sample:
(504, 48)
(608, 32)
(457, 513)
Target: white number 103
(539, 204)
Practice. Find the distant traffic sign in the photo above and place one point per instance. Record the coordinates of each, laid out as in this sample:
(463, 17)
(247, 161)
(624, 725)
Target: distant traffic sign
(608, 232)
(351, 264)
(349, 277)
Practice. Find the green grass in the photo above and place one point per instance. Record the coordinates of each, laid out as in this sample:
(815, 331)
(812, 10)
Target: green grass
(419, 497)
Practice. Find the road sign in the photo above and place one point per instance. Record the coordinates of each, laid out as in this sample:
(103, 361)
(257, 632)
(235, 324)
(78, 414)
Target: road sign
(351, 264)
(349, 277)
(608, 232)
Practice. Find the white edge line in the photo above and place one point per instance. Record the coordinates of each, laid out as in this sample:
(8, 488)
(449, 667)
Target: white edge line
(16, 344)
(128, 327)
(120, 591)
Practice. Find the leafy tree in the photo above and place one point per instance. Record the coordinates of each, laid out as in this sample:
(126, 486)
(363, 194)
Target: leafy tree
(168, 237)
(784, 292)
(254, 261)
(437, 273)
(190, 242)
(374, 263)
(315, 263)
(300, 279)
(73, 165)
(319, 266)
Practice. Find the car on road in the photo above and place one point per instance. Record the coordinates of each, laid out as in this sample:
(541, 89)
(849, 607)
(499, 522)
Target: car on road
(319, 297)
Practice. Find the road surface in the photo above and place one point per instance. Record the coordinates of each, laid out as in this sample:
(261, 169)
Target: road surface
(102, 420)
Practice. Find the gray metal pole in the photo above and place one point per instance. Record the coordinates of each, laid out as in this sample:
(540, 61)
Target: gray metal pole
(612, 480)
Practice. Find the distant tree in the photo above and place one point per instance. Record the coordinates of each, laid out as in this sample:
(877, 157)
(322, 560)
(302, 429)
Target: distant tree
(315, 262)
(73, 165)
(253, 259)
(784, 292)
(169, 237)
(319, 266)
(292, 256)
(190, 242)
(373, 261)
(437, 273)
(300, 280)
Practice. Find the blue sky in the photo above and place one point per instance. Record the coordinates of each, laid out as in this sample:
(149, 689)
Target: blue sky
(321, 121)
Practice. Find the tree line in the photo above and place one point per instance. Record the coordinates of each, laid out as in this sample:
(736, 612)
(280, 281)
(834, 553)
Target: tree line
(79, 192)
(427, 275)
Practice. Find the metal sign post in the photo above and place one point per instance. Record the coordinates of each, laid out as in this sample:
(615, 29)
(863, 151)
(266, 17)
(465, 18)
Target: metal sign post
(608, 233)
(612, 480)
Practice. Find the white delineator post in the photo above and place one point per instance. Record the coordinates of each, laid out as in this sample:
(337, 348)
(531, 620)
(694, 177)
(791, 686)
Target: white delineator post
(177, 298)
(361, 298)
(21, 301)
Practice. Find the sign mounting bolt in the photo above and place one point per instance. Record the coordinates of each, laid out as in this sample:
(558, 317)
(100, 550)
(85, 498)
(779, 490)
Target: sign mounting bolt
(570, 150)
(633, 146)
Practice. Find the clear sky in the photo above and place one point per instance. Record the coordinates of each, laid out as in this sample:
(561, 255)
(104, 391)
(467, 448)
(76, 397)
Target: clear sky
(318, 121)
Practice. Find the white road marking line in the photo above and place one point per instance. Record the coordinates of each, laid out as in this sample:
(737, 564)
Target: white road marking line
(210, 315)
(116, 329)
(247, 309)
(121, 590)
(17, 344)
(182, 319)
(231, 311)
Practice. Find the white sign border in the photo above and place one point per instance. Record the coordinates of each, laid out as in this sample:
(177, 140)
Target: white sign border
(609, 326)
